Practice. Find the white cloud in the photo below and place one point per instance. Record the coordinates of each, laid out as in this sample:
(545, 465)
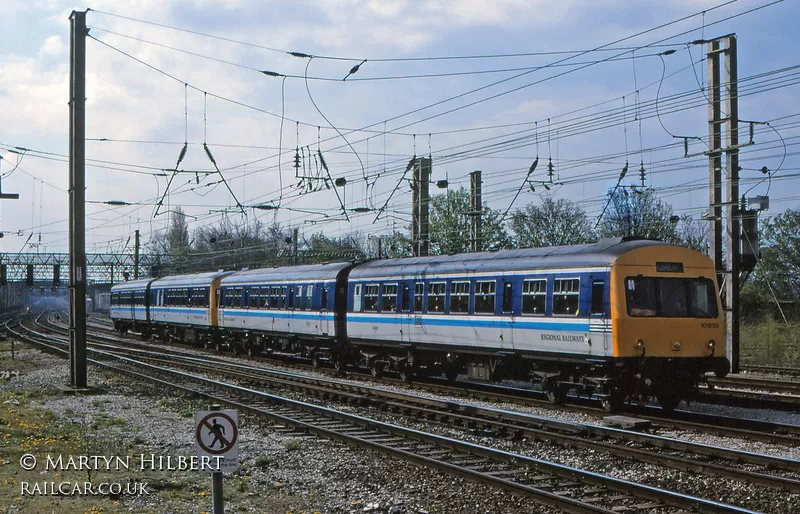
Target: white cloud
(53, 46)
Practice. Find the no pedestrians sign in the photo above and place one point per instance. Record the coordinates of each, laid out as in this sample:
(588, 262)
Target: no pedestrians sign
(217, 438)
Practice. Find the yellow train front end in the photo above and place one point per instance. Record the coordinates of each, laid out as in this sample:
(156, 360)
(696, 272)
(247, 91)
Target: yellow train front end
(668, 324)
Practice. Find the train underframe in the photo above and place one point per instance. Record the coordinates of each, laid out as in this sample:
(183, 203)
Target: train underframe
(614, 381)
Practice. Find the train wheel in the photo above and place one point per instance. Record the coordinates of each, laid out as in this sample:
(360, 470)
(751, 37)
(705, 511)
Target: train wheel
(556, 395)
(407, 373)
(339, 365)
(668, 401)
(613, 402)
(376, 370)
(316, 361)
(451, 373)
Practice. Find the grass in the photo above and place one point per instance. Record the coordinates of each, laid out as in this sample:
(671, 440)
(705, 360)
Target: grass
(28, 428)
(770, 343)
(292, 444)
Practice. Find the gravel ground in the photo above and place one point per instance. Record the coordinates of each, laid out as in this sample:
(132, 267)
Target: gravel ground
(320, 475)
(330, 477)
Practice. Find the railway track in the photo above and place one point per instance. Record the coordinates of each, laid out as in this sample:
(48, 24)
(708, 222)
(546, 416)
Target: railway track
(680, 419)
(564, 487)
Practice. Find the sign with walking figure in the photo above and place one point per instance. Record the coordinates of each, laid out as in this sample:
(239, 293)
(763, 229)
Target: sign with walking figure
(217, 438)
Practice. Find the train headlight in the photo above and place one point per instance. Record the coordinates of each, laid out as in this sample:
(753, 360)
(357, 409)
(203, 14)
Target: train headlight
(640, 346)
(711, 345)
(676, 346)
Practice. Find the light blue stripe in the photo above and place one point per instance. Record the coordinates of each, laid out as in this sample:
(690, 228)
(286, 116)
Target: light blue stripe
(473, 323)
(277, 314)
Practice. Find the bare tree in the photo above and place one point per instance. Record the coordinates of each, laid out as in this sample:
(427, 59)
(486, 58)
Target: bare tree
(638, 213)
(553, 223)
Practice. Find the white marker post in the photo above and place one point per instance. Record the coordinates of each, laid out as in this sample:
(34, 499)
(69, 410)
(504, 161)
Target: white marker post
(217, 438)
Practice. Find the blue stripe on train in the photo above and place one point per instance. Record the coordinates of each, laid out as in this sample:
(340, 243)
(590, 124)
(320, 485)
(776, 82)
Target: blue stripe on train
(473, 323)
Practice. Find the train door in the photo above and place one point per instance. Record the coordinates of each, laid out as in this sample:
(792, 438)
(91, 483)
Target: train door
(507, 315)
(406, 317)
(599, 324)
(325, 312)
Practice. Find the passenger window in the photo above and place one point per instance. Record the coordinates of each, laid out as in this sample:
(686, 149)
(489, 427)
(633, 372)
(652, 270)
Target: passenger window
(419, 292)
(459, 297)
(534, 296)
(371, 297)
(485, 297)
(389, 298)
(436, 297)
(566, 296)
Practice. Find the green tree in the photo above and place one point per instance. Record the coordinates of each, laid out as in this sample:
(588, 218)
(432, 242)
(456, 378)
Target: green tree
(449, 224)
(638, 213)
(553, 223)
(779, 264)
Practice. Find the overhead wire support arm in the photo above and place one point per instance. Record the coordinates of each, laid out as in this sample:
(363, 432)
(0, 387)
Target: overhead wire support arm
(325, 166)
(386, 203)
(528, 176)
(214, 162)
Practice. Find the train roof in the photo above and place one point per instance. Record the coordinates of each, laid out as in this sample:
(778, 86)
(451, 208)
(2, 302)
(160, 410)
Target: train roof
(132, 285)
(193, 280)
(309, 272)
(600, 254)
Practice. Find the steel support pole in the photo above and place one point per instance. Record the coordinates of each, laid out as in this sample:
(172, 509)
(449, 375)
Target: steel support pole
(476, 211)
(715, 159)
(421, 196)
(136, 255)
(77, 197)
(733, 241)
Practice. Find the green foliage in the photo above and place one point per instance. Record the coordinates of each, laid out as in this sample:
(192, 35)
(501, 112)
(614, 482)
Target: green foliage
(553, 223)
(779, 263)
(293, 444)
(771, 343)
(449, 226)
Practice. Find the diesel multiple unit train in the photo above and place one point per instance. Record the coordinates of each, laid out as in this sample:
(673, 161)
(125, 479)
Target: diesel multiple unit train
(617, 319)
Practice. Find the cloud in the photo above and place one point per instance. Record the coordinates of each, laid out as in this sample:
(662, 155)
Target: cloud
(53, 46)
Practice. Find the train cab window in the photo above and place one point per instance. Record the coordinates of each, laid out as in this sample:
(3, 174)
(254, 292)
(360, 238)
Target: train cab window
(324, 294)
(598, 294)
(534, 296)
(406, 306)
(370, 301)
(671, 297)
(419, 294)
(566, 296)
(485, 297)
(459, 297)
(309, 297)
(389, 298)
(436, 296)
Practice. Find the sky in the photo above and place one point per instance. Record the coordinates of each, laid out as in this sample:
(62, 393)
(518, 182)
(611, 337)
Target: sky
(473, 85)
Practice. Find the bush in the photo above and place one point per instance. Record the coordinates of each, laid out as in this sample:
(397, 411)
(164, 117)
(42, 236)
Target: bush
(770, 343)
